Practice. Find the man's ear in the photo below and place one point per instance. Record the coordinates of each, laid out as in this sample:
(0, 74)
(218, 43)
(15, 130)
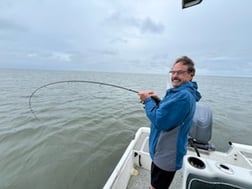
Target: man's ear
(192, 74)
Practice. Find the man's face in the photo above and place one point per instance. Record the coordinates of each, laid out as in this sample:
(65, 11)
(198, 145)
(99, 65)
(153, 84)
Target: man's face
(179, 74)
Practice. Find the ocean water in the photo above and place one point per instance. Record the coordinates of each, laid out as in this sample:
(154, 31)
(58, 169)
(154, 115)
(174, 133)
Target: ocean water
(82, 129)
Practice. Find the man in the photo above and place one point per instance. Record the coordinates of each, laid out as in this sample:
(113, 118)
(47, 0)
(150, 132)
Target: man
(171, 119)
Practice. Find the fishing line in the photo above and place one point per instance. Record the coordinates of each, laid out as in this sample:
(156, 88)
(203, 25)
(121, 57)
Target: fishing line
(74, 81)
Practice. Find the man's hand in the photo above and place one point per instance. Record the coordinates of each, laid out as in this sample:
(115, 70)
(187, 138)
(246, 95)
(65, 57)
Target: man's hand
(146, 94)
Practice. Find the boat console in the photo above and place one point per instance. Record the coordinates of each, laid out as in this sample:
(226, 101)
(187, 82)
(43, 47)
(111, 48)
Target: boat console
(207, 173)
(213, 169)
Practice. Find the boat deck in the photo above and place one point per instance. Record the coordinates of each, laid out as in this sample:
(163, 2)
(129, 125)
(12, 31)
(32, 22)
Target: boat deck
(142, 180)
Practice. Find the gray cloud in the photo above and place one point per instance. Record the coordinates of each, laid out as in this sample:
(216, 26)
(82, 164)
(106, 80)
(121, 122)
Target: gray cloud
(146, 25)
(104, 52)
(144, 36)
(118, 40)
(9, 25)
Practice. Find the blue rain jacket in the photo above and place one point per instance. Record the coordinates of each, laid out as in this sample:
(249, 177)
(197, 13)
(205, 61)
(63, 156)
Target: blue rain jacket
(171, 120)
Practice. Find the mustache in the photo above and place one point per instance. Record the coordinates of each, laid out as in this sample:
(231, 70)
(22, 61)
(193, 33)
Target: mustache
(175, 78)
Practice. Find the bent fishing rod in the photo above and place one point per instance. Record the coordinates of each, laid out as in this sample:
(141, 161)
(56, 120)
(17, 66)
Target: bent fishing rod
(74, 81)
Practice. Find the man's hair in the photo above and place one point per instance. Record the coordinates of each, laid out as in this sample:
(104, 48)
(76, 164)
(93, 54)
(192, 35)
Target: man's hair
(188, 62)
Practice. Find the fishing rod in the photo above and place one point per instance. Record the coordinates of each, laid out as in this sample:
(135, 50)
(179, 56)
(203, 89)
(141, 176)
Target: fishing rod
(74, 81)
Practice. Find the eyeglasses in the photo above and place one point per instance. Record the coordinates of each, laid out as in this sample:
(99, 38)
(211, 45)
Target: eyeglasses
(179, 72)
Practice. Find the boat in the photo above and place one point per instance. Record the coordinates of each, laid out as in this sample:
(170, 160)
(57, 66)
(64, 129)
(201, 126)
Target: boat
(203, 166)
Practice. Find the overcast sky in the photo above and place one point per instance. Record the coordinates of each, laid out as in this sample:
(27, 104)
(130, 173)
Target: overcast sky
(126, 35)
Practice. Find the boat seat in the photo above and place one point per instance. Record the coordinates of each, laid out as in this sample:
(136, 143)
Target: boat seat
(201, 130)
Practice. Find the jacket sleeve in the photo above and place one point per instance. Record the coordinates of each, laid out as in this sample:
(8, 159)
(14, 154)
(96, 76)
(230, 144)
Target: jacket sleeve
(170, 113)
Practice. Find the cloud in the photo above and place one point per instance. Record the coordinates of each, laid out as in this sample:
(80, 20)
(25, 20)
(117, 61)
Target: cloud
(62, 57)
(52, 56)
(104, 52)
(8, 25)
(118, 40)
(143, 25)
(149, 25)
(133, 35)
(31, 55)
